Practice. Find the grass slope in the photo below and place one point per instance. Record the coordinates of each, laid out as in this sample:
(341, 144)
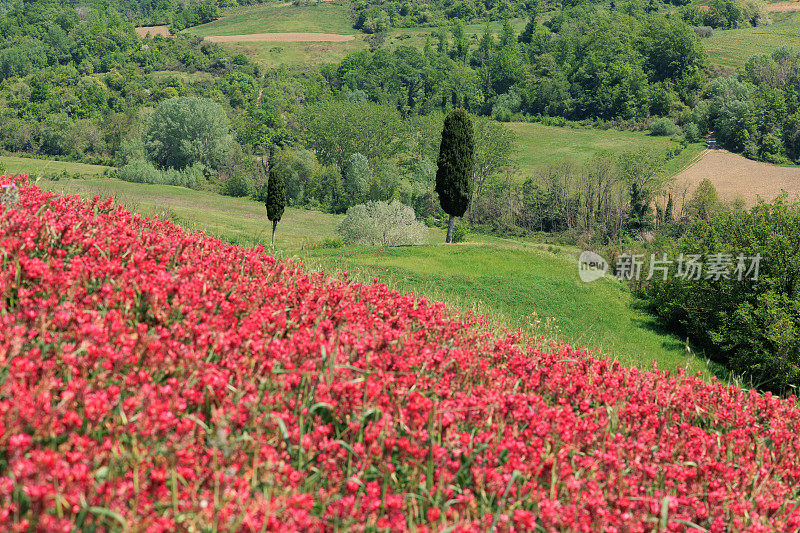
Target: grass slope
(539, 146)
(514, 282)
(522, 285)
(47, 167)
(295, 54)
(237, 220)
(266, 18)
(732, 48)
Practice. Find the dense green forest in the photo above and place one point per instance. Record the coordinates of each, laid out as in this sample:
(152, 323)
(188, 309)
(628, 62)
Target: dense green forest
(76, 79)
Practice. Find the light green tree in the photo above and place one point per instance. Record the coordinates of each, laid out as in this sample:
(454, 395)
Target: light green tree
(187, 130)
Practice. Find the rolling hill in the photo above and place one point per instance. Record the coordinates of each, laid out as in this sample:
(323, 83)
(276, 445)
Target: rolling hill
(162, 379)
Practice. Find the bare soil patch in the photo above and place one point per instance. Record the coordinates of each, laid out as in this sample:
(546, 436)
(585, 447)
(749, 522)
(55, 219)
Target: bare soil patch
(784, 7)
(735, 177)
(144, 31)
(281, 37)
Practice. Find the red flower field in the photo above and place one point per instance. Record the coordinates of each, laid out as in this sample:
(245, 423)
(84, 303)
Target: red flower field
(155, 379)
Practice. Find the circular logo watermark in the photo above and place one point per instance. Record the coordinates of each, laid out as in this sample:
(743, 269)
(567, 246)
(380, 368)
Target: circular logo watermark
(591, 266)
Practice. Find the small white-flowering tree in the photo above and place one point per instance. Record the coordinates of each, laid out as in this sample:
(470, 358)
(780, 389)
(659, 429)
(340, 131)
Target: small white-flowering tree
(382, 224)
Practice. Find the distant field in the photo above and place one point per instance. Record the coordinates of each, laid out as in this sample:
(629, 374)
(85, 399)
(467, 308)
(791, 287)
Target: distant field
(539, 146)
(320, 18)
(735, 176)
(47, 167)
(144, 31)
(295, 54)
(238, 26)
(732, 48)
(287, 37)
(516, 283)
(185, 77)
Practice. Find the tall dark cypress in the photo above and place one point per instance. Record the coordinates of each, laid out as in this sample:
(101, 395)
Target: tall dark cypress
(276, 200)
(668, 210)
(456, 161)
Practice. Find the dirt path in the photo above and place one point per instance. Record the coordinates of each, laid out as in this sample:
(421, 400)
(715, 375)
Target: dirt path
(143, 31)
(281, 37)
(735, 176)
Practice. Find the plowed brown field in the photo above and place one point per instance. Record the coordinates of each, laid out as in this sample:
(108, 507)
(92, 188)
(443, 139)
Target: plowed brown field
(735, 176)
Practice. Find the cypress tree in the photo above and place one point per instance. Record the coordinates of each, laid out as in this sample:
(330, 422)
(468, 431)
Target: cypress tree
(276, 199)
(668, 210)
(456, 161)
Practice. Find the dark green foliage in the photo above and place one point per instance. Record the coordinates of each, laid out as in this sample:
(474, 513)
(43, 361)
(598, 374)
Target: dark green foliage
(336, 130)
(593, 64)
(751, 326)
(641, 216)
(668, 211)
(455, 164)
(195, 14)
(75, 78)
(276, 196)
(664, 127)
(237, 185)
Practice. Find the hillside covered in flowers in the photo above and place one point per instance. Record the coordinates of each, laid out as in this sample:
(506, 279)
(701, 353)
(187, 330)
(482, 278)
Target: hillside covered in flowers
(152, 378)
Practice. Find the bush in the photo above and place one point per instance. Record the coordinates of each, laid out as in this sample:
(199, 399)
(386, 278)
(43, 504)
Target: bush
(692, 132)
(331, 242)
(664, 127)
(382, 224)
(704, 32)
(238, 185)
(140, 171)
(750, 326)
(190, 177)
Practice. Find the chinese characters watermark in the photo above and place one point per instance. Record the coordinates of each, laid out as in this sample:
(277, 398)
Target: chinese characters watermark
(689, 267)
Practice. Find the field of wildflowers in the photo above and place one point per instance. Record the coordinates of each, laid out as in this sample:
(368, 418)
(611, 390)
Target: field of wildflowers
(155, 379)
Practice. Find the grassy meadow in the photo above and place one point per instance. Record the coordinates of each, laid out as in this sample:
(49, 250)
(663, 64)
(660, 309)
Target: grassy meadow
(732, 48)
(48, 167)
(272, 54)
(517, 283)
(326, 17)
(238, 220)
(539, 146)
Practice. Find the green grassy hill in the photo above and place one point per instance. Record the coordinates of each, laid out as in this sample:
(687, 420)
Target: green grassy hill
(48, 167)
(284, 17)
(300, 55)
(732, 48)
(539, 146)
(522, 284)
